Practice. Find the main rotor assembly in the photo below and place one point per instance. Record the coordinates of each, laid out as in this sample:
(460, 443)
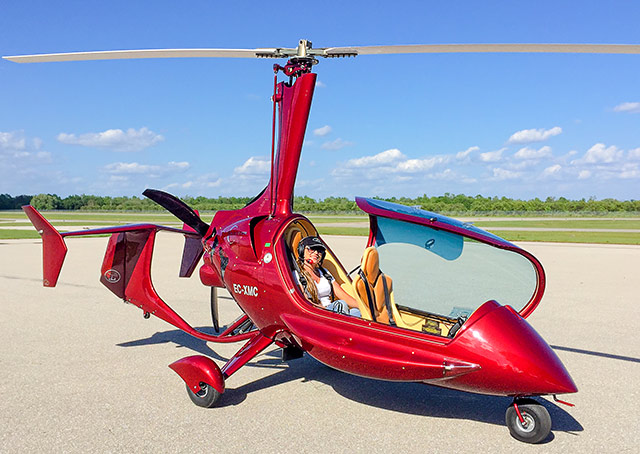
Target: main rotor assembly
(306, 52)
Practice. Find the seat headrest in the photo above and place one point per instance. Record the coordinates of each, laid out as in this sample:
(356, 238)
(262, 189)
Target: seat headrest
(370, 264)
(295, 240)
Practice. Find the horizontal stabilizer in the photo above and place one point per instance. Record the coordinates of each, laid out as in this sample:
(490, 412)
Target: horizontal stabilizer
(54, 249)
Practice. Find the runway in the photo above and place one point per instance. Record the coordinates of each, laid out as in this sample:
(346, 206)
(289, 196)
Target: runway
(83, 372)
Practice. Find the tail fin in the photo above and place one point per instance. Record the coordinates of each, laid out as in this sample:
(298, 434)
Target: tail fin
(192, 252)
(54, 249)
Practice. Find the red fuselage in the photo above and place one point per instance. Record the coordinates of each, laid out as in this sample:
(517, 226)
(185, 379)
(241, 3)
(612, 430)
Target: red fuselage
(496, 352)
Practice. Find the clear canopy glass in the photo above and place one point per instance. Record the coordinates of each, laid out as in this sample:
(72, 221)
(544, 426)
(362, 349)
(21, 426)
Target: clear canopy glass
(448, 274)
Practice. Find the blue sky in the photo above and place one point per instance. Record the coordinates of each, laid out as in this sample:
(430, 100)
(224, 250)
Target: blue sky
(516, 125)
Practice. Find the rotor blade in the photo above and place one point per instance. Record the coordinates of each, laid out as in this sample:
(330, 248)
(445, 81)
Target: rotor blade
(153, 53)
(485, 48)
(179, 209)
(353, 51)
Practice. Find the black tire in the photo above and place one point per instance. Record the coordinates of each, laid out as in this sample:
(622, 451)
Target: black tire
(206, 397)
(537, 422)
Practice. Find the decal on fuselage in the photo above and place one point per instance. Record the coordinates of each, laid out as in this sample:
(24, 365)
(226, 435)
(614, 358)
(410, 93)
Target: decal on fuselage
(247, 290)
(112, 276)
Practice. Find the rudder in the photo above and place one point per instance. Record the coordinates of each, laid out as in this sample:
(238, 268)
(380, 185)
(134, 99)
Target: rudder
(54, 249)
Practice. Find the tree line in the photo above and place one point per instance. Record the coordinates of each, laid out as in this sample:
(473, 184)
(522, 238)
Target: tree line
(447, 203)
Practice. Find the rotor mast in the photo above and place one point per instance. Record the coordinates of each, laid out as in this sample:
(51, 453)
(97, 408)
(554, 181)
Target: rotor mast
(293, 99)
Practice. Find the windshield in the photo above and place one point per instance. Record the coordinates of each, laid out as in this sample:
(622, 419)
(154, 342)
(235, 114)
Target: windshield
(447, 274)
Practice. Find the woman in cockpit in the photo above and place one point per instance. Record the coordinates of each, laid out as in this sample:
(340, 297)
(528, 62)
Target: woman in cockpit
(317, 283)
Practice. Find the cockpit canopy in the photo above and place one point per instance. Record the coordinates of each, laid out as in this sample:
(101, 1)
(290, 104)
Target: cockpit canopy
(442, 266)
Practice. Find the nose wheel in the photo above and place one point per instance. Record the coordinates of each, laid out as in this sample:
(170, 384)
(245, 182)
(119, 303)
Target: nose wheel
(528, 421)
(206, 397)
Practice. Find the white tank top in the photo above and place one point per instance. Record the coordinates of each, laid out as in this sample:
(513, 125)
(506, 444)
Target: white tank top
(324, 291)
(323, 287)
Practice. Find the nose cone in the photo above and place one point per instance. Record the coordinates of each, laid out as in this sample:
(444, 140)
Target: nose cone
(513, 357)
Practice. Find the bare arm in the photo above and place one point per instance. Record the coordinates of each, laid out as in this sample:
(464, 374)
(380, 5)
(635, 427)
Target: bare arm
(344, 296)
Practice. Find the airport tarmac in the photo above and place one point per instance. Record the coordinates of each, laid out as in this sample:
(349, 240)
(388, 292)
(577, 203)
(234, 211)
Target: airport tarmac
(82, 372)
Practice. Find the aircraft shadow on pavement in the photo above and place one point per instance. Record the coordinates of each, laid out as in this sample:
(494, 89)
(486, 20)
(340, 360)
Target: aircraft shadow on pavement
(594, 353)
(181, 339)
(409, 398)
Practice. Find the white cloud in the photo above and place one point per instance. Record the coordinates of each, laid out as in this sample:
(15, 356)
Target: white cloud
(600, 153)
(119, 179)
(534, 135)
(420, 165)
(115, 139)
(186, 185)
(183, 165)
(631, 170)
(451, 175)
(16, 151)
(531, 153)
(392, 167)
(504, 174)
(602, 163)
(128, 168)
(383, 158)
(552, 170)
(200, 184)
(335, 144)
(254, 166)
(629, 107)
(135, 168)
(492, 156)
(463, 155)
(323, 131)
(12, 141)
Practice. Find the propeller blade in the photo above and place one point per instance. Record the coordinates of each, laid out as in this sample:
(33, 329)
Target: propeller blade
(484, 48)
(179, 209)
(154, 53)
(214, 309)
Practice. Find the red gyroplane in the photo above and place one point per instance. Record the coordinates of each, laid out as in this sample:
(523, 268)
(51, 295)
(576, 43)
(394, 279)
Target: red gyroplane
(456, 299)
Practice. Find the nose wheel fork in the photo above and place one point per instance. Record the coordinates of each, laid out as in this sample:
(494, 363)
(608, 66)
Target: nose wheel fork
(528, 421)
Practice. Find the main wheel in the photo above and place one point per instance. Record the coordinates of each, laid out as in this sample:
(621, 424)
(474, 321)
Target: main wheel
(206, 397)
(536, 425)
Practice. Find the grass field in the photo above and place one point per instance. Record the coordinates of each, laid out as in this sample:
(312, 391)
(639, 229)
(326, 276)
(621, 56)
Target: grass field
(13, 223)
(570, 237)
(82, 216)
(562, 223)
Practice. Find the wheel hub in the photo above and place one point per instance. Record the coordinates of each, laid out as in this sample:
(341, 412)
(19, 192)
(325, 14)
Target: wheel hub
(527, 424)
(204, 388)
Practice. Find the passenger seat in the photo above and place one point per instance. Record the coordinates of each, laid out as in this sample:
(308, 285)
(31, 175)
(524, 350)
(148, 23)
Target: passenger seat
(370, 285)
